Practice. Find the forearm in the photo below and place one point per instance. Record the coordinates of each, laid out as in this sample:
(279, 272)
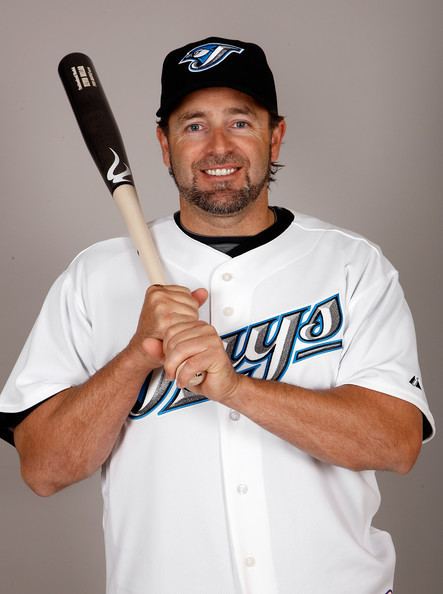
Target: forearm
(347, 426)
(68, 437)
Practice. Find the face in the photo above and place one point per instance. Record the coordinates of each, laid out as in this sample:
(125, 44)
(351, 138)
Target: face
(219, 148)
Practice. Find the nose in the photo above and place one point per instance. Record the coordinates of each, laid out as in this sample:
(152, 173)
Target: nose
(219, 141)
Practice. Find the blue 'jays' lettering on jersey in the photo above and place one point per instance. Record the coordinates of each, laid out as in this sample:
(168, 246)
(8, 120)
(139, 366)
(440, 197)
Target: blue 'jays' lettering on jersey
(208, 55)
(263, 350)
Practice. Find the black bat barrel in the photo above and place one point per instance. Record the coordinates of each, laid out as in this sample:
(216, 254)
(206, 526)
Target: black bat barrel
(95, 119)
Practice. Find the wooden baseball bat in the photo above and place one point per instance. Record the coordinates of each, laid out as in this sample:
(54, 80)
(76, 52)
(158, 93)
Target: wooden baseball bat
(103, 139)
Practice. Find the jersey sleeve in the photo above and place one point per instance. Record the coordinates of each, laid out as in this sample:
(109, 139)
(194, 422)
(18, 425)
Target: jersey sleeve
(56, 355)
(379, 343)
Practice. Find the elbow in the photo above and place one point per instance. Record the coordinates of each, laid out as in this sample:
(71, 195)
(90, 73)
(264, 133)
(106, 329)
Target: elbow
(43, 490)
(38, 484)
(406, 440)
(46, 478)
(405, 466)
(398, 456)
(408, 455)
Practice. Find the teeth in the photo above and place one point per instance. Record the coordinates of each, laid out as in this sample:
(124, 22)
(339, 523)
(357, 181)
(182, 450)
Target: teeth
(219, 172)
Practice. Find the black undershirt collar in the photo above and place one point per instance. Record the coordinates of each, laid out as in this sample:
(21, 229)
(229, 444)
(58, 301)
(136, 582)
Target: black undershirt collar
(237, 245)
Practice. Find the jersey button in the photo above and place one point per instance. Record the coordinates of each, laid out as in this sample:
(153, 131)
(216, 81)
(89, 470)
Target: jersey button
(234, 415)
(242, 489)
(228, 311)
(227, 276)
(250, 561)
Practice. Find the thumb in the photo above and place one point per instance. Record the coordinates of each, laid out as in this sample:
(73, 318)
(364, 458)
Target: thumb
(154, 349)
(201, 295)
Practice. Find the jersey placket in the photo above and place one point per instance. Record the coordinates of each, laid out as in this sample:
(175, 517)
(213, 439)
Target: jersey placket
(245, 501)
(241, 453)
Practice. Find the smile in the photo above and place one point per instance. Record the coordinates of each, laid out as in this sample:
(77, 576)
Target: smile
(221, 172)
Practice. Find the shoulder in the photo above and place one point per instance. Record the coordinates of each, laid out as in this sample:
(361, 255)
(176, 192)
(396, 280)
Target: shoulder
(331, 232)
(348, 245)
(101, 256)
(116, 249)
(115, 257)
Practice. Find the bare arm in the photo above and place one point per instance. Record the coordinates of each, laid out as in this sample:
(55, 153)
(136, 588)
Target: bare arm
(348, 426)
(68, 437)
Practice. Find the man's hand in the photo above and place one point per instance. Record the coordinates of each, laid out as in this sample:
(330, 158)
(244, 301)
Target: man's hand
(192, 347)
(169, 334)
(164, 306)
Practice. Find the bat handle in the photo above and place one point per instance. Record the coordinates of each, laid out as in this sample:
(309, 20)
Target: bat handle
(127, 201)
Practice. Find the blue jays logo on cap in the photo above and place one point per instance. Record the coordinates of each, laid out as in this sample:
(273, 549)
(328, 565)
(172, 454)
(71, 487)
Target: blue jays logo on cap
(209, 55)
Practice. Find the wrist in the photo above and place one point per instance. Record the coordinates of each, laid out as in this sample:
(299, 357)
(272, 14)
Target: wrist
(234, 395)
(135, 358)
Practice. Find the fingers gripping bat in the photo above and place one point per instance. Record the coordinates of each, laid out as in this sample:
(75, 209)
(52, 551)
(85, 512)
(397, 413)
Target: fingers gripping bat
(104, 141)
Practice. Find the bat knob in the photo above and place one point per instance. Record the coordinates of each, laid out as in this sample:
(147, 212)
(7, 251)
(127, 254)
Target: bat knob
(196, 380)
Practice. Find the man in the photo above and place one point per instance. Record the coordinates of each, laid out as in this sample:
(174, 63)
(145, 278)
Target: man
(261, 480)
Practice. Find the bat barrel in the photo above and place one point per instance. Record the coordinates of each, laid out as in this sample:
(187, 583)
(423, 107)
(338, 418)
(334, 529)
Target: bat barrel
(95, 119)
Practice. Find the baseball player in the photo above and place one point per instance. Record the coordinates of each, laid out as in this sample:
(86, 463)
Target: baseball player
(262, 479)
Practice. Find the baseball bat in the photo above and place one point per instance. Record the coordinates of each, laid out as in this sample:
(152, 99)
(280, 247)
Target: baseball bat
(103, 139)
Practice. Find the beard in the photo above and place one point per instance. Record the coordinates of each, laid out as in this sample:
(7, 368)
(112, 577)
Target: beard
(223, 199)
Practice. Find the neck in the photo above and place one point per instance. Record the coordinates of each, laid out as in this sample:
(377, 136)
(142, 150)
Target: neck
(253, 219)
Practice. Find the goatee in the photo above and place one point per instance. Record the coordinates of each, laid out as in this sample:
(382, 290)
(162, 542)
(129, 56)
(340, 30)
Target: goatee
(223, 200)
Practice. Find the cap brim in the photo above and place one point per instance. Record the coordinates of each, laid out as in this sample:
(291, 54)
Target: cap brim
(165, 110)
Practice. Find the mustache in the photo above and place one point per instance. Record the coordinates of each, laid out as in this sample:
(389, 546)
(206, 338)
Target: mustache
(220, 160)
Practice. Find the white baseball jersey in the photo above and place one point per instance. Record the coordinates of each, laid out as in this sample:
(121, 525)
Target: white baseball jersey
(198, 499)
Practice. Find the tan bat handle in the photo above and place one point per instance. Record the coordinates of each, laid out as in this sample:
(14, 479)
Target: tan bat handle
(127, 201)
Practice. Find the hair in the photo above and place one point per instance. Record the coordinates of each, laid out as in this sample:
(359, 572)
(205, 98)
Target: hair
(274, 120)
(163, 124)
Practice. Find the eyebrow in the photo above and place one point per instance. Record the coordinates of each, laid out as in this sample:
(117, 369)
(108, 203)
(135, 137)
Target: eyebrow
(190, 115)
(244, 110)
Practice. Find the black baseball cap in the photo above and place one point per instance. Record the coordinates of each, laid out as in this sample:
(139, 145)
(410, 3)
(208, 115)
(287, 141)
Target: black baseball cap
(216, 62)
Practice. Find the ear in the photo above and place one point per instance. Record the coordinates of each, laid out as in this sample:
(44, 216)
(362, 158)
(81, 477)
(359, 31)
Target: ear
(277, 136)
(164, 146)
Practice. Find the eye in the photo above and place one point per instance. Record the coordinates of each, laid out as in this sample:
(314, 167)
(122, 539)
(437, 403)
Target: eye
(194, 127)
(241, 124)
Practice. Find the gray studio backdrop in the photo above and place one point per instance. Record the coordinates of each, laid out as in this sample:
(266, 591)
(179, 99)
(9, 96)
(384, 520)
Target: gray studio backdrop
(360, 84)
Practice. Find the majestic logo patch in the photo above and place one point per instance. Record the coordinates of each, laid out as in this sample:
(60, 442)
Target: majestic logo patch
(264, 350)
(208, 55)
(117, 178)
(415, 381)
